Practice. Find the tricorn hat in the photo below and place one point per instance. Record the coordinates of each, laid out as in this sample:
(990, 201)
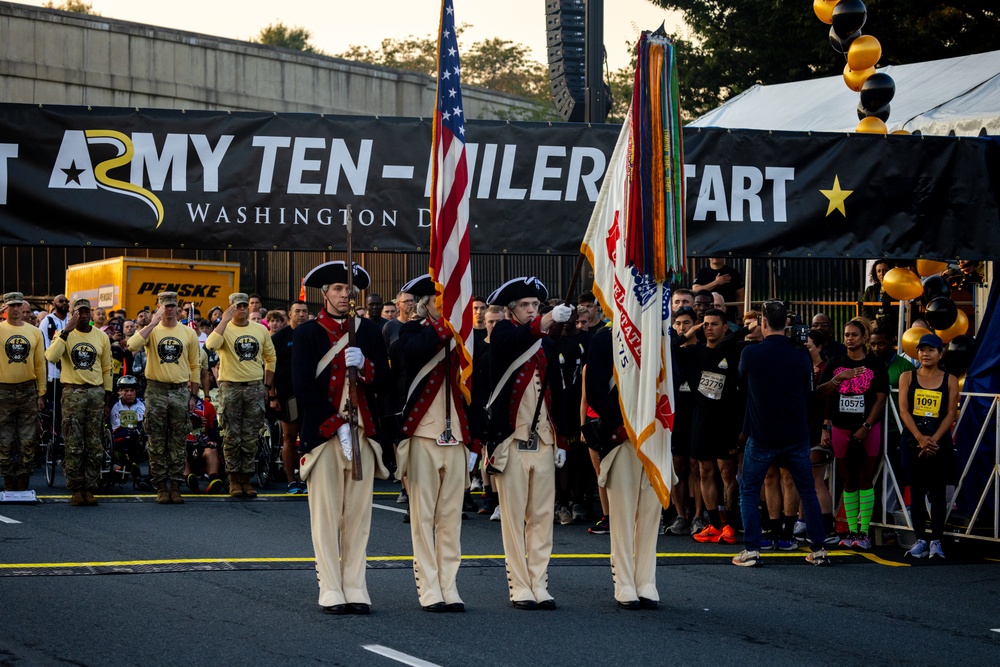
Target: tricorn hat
(419, 287)
(519, 288)
(336, 272)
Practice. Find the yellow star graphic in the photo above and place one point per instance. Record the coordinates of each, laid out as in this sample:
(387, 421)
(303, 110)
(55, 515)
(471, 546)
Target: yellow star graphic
(836, 197)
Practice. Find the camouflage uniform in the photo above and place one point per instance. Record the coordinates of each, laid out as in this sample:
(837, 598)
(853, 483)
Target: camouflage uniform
(82, 428)
(167, 425)
(18, 428)
(241, 416)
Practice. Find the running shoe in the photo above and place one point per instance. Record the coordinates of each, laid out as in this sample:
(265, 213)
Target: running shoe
(402, 499)
(747, 558)
(848, 540)
(832, 540)
(728, 535)
(487, 507)
(293, 488)
(679, 526)
(579, 514)
(192, 483)
(767, 542)
(862, 541)
(564, 516)
(786, 545)
(496, 514)
(800, 530)
(709, 534)
(476, 485)
(936, 550)
(602, 527)
(698, 524)
(215, 486)
(918, 550)
(818, 558)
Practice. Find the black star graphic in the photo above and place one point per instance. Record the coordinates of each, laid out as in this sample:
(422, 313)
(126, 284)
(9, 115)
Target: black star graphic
(73, 174)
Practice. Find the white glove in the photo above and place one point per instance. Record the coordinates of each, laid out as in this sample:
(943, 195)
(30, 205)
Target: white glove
(561, 313)
(344, 433)
(354, 358)
(473, 457)
(560, 457)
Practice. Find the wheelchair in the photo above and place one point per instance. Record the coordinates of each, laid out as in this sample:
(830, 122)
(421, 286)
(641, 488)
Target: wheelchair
(51, 449)
(268, 452)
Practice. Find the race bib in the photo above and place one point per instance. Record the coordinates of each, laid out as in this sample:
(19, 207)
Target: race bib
(711, 385)
(927, 403)
(686, 388)
(854, 405)
(129, 418)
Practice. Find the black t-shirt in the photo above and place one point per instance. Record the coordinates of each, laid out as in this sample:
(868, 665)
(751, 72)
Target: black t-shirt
(850, 404)
(712, 375)
(727, 290)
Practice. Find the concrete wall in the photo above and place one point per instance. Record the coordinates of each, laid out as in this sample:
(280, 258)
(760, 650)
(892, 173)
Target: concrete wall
(53, 57)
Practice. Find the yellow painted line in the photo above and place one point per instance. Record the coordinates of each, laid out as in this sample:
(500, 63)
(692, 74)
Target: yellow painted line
(470, 557)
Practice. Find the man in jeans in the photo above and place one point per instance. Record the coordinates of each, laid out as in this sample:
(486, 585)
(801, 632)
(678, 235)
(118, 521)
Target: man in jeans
(778, 378)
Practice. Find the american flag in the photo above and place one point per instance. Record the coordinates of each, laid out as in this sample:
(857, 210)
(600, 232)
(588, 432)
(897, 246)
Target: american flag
(450, 257)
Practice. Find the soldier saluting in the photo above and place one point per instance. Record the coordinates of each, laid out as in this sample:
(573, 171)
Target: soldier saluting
(433, 457)
(84, 355)
(22, 385)
(173, 370)
(340, 507)
(525, 449)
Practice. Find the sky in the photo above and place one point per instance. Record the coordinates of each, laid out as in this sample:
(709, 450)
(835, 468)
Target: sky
(337, 24)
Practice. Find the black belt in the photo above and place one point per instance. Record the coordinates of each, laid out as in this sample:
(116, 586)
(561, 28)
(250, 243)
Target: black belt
(165, 385)
(70, 386)
(251, 383)
(17, 385)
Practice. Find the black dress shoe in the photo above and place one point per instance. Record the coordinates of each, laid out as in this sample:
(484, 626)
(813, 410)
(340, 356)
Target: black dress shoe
(455, 606)
(359, 608)
(630, 605)
(646, 603)
(435, 608)
(547, 605)
(336, 610)
(523, 604)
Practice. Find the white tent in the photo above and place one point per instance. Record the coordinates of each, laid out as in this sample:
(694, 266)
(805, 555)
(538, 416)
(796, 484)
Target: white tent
(956, 95)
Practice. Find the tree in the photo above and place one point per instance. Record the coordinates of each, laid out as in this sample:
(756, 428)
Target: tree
(496, 64)
(78, 6)
(739, 43)
(278, 34)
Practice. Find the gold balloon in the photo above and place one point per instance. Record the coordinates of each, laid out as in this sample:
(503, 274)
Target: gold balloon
(899, 132)
(824, 10)
(928, 267)
(863, 53)
(910, 339)
(902, 284)
(872, 125)
(959, 328)
(856, 78)
(961, 383)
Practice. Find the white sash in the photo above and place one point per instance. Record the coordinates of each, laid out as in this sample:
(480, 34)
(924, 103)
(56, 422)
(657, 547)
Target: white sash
(530, 352)
(427, 368)
(330, 354)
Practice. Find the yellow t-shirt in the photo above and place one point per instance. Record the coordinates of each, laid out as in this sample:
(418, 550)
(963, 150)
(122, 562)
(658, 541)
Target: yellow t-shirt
(85, 358)
(23, 356)
(171, 353)
(244, 352)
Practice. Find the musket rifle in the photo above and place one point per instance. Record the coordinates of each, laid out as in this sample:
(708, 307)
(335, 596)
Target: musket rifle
(352, 373)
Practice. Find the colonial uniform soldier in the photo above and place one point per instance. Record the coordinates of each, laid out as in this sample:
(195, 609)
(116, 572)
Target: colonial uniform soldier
(22, 385)
(340, 507)
(173, 370)
(634, 506)
(433, 457)
(246, 371)
(524, 450)
(84, 355)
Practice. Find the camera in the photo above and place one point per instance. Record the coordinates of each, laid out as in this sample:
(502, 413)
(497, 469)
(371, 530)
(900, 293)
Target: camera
(797, 332)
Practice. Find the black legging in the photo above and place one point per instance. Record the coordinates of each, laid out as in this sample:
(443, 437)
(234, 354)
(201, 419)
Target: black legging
(929, 475)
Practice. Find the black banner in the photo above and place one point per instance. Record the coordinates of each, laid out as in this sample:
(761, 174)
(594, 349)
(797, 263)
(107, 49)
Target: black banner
(209, 179)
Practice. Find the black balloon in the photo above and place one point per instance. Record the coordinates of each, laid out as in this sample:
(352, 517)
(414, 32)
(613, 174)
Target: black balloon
(877, 91)
(849, 16)
(841, 45)
(941, 313)
(934, 287)
(958, 357)
(882, 114)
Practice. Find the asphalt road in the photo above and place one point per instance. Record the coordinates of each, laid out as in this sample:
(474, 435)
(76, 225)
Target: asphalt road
(221, 582)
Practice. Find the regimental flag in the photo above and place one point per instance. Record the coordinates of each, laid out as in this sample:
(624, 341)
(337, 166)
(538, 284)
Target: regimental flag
(450, 255)
(635, 242)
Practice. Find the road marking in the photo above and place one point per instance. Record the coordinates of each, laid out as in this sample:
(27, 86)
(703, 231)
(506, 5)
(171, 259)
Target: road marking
(7, 519)
(397, 656)
(994, 629)
(391, 509)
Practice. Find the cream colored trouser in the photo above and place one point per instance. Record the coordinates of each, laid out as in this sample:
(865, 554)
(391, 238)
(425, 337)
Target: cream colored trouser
(527, 489)
(436, 481)
(635, 518)
(340, 516)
